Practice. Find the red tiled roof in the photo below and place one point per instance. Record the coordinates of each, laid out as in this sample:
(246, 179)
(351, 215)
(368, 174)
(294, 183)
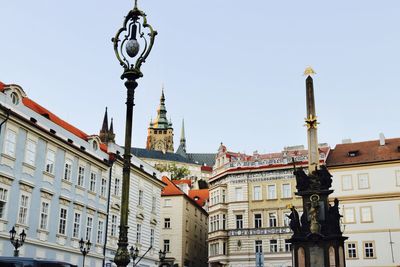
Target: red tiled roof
(183, 181)
(29, 103)
(170, 189)
(200, 196)
(365, 152)
(206, 168)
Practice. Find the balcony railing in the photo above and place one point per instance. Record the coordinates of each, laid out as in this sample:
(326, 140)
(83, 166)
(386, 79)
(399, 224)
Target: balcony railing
(260, 231)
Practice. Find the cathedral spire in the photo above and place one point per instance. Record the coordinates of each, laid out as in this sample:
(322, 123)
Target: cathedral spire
(104, 127)
(161, 121)
(182, 146)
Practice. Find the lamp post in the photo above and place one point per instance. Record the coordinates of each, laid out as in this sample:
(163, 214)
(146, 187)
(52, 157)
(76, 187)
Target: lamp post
(84, 250)
(19, 242)
(131, 47)
(161, 255)
(134, 254)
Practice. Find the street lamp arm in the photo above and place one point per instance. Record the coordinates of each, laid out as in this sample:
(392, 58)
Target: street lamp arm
(143, 256)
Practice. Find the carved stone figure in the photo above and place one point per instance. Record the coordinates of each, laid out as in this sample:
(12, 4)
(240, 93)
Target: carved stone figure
(315, 227)
(294, 221)
(302, 180)
(334, 217)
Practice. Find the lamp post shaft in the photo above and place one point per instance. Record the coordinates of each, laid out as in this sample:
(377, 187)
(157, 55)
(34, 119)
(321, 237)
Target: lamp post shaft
(83, 264)
(16, 252)
(122, 257)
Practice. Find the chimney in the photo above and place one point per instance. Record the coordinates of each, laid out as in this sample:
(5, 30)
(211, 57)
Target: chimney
(381, 139)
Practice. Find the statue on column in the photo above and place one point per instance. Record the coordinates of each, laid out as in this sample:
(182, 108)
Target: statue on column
(315, 227)
(294, 221)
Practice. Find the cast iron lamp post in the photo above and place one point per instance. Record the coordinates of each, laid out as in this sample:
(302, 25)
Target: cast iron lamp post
(161, 255)
(17, 243)
(134, 254)
(84, 250)
(131, 47)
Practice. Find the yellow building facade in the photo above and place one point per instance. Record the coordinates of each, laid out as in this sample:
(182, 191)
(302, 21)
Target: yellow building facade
(250, 198)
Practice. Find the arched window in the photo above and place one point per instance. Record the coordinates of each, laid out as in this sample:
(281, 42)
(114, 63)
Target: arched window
(14, 98)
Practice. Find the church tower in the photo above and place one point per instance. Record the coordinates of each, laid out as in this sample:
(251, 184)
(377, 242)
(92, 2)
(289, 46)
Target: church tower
(160, 135)
(107, 134)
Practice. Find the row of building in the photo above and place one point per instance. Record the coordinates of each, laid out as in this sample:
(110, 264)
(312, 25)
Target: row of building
(251, 196)
(61, 185)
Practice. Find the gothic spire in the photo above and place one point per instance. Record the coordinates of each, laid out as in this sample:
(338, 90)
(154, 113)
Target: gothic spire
(182, 146)
(104, 128)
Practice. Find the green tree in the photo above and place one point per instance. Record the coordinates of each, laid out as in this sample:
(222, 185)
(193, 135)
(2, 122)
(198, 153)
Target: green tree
(176, 172)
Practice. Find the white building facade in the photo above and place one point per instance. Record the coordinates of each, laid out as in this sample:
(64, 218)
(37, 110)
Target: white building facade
(366, 180)
(55, 184)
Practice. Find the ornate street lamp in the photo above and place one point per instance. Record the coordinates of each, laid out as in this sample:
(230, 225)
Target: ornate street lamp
(84, 250)
(132, 47)
(161, 255)
(134, 254)
(17, 243)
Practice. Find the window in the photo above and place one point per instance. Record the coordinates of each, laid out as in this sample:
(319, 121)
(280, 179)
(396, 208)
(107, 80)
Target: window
(67, 169)
(239, 221)
(286, 191)
(187, 226)
(50, 157)
(214, 197)
(114, 220)
(138, 233)
(103, 189)
(117, 184)
(3, 201)
(166, 245)
(224, 252)
(10, 143)
(92, 186)
(347, 182)
(288, 246)
(366, 214)
(151, 237)
(154, 204)
(352, 250)
(23, 209)
(167, 222)
(100, 229)
(14, 98)
(167, 203)
(44, 215)
(272, 219)
(398, 178)
(257, 193)
(349, 216)
(62, 223)
(286, 219)
(273, 245)
(258, 246)
(369, 250)
(81, 176)
(223, 221)
(30, 152)
(239, 193)
(271, 191)
(224, 195)
(257, 220)
(140, 201)
(89, 227)
(363, 181)
(214, 249)
(76, 231)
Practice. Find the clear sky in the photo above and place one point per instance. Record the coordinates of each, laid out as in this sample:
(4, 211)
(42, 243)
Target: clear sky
(232, 69)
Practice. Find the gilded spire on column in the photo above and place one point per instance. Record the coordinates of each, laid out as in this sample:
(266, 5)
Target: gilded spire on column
(311, 122)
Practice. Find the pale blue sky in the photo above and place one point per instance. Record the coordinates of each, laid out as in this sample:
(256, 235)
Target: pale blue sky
(233, 69)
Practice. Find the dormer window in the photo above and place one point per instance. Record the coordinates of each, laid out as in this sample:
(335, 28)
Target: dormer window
(353, 153)
(14, 98)
(95, 145)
